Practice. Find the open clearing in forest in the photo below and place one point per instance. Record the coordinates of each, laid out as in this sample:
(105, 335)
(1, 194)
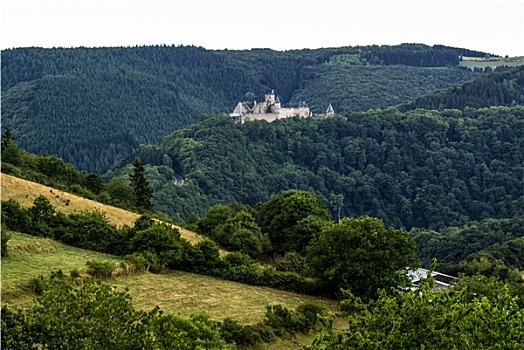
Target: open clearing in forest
(476, 62)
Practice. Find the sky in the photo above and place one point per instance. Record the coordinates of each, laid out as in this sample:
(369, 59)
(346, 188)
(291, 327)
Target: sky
(495, 27)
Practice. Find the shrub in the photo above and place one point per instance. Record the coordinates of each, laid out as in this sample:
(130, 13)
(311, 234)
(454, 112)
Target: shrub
(100, 269)
(14, 217)
(5, 237)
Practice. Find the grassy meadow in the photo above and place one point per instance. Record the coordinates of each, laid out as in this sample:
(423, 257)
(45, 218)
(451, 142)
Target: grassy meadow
(174, 292)
(31, 257)
(186, 293)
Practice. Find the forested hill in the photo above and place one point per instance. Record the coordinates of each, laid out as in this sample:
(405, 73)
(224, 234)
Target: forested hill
(93, 106)
(425, 169)
(504, 88)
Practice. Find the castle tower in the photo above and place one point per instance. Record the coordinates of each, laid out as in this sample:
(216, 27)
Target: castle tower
(278, 105)
(330, 110)
(270, 98)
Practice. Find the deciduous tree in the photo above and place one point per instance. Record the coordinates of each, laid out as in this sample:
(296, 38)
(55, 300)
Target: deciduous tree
(361, 255)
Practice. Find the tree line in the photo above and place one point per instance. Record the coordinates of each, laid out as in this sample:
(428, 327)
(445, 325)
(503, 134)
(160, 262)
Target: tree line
(256, 237)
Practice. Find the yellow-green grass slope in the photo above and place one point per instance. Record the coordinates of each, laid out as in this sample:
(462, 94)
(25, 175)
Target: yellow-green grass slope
(25, 192)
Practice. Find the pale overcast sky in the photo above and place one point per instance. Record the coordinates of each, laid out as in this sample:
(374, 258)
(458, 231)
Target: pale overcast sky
(491, 26)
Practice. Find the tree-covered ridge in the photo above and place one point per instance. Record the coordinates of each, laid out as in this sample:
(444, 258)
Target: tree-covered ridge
(490, 247)
(504, 88)
(424, 169)
(93, 106)
(355, 87)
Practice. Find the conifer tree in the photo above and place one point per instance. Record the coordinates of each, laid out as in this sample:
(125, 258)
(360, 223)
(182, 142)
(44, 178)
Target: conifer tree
(141, 189)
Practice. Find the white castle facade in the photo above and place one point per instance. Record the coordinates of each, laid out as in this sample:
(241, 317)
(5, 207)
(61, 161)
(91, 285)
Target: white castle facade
(271, 109)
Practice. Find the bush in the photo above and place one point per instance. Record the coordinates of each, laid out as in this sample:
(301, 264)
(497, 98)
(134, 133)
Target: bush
(14, 217)
(232, 332)
(138, 263)
(279, 318)
(5, 237)
(100, 269)
(311, 311)
(89, 230)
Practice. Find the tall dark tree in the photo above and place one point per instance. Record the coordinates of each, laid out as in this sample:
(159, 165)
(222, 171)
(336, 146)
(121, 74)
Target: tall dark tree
(10, 151)
(141, 189)
(6, 137)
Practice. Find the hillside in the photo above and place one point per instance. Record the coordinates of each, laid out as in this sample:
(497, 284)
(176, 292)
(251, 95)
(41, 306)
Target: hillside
(104, 102)
(425, 169)
(175, 292)
(504, 88)
(25, 192)
(30, 257)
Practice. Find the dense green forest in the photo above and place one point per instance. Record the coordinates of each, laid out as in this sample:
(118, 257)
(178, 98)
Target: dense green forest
(504, 88)
(424, 169)
(93, 106)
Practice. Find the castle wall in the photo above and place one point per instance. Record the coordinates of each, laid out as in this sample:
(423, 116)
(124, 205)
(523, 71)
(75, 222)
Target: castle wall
(269, 117)
(294, 112)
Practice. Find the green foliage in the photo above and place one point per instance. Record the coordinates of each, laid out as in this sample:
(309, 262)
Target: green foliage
(10, 152)
(14, 217)
(233, 226)
(100, 269)
(423, 169)
(16, 329)
(156, 238)
(492, 239)
(292, 262)
(120, 192)
(476, 313)
(292, 219)
(140, 93)
(88, 230)
(498, 89)
(361, 255)
(5, 238)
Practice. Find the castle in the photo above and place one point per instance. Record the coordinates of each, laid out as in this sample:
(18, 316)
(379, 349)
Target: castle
(271, 109)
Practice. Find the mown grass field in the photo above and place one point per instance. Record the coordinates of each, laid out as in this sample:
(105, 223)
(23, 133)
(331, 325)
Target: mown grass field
(187, 293)
(31, 257)
(473, 63)
(174, 292)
